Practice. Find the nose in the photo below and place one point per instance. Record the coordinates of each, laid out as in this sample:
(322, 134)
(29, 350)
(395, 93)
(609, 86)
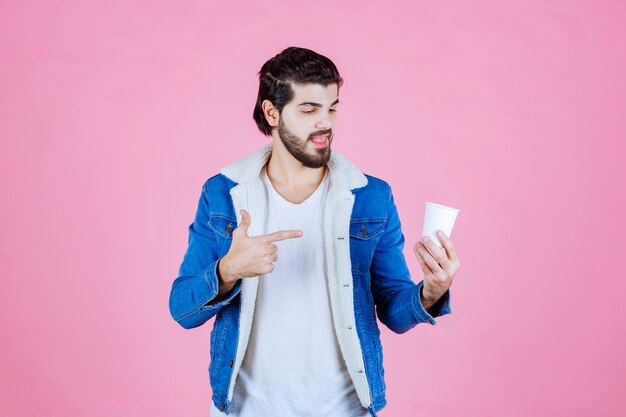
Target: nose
(323, 123)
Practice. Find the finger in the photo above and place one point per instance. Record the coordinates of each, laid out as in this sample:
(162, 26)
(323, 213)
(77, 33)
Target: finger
(420, 259)
(271, 253)
(428, 258)
(281, 235)
(244, 224)
(447, 244)
(438, 253)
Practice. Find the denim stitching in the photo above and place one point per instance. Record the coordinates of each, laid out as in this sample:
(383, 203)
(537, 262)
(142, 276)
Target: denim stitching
(371, 241)
(184, 316)
(372, 314)
(367, 351)
(218, 214)
(213, 337)
(198, 308)
(371, 233)
(218, 229)
(218, 352)
(416, 302)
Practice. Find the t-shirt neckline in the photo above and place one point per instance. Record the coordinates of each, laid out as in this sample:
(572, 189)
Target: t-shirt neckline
(309, 199)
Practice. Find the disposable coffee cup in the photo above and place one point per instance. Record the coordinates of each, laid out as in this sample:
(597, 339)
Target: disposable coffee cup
(438, 217)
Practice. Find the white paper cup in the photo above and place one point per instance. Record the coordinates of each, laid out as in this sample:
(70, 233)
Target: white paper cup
(438, 216)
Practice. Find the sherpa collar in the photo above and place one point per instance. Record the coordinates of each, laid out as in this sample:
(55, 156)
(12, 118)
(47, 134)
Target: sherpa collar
(342, 172)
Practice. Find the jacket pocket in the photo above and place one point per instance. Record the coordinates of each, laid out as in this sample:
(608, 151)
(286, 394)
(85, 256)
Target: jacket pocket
(364, 235)
(366, 229)
(222, 225)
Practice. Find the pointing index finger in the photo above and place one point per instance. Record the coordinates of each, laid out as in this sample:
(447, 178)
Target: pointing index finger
(281, 235)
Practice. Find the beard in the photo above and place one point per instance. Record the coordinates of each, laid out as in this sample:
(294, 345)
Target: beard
(298, 149)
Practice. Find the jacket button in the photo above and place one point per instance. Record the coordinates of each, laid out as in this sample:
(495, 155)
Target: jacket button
(231, 364)
(229, 228)
(222, 406)
(363, 231)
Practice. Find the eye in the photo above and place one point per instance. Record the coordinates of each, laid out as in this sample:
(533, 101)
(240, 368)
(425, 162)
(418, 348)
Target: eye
(308, 111)
(333, 109)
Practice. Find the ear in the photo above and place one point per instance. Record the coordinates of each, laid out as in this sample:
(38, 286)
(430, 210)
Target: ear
(270, 113)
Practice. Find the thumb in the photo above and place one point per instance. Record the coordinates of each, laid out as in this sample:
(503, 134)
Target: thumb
(244, 224)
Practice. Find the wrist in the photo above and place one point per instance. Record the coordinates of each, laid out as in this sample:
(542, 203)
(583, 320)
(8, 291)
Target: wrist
(427, 300)
(224, 272)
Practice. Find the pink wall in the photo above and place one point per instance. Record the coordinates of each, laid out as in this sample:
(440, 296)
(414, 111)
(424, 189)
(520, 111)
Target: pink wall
(112, 116)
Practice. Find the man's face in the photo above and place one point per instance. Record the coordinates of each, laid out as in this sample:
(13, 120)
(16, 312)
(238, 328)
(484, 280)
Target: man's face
(308, 117)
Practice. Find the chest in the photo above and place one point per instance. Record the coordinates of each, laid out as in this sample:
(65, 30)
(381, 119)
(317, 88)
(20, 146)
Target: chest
(297, 196)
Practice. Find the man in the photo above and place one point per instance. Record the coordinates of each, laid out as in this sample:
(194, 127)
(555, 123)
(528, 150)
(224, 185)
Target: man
(297, 335)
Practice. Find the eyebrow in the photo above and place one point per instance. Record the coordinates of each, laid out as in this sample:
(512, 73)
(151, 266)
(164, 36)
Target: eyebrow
(310, 103)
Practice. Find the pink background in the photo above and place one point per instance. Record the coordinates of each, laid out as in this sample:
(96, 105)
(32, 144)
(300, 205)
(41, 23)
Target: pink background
(113, 116)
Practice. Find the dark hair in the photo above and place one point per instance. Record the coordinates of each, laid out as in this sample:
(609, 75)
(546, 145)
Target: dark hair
(292, 65)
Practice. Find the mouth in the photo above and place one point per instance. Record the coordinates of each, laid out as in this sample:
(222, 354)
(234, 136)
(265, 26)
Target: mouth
(320, 141)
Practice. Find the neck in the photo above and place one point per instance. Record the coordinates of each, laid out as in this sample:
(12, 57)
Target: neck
(285, 170)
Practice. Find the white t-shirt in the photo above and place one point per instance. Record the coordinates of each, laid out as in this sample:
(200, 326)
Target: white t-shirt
(293, 366)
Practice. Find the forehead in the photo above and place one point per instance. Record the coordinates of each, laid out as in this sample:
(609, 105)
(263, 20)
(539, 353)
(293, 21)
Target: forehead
(316, 93)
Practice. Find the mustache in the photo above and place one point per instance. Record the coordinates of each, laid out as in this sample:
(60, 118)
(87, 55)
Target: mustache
(328, 132)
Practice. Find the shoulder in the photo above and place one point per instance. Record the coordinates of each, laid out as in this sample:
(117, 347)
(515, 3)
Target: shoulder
(218, 183)
(375, 186)
(216, 192)
(372, 200)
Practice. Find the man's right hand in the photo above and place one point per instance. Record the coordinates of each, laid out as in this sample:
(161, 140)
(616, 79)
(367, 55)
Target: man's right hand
(251, 256)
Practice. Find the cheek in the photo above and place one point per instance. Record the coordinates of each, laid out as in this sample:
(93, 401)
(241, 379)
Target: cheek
(303, 129)
(297, 124)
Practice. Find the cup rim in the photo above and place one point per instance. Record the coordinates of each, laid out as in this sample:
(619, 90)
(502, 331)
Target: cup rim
(442, 206)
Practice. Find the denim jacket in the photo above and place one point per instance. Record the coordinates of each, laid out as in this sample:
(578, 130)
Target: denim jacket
(366, 270)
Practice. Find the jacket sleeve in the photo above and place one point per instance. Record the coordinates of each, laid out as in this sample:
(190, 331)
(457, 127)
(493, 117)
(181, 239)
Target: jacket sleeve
(197, 282)
(397, 297)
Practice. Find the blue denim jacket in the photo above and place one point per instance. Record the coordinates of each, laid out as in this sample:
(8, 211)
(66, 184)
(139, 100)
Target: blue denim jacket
(366, 270)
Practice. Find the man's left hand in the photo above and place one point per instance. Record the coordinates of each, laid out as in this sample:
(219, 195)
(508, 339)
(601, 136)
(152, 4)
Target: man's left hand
(440, 265)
